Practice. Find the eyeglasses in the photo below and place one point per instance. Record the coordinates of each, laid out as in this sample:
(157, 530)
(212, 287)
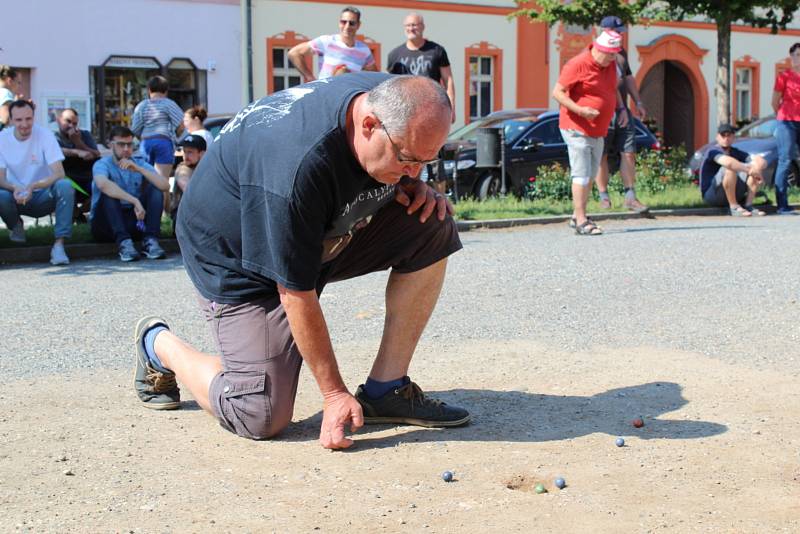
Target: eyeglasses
(348, 22)
(412, 25)
(399, 155)
(123, 144)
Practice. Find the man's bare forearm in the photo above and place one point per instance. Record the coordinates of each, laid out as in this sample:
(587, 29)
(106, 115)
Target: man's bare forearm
(310, 332)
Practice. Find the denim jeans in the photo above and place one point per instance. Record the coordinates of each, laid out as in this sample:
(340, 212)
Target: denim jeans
(787, 135)
(59, 197)
(114, 222)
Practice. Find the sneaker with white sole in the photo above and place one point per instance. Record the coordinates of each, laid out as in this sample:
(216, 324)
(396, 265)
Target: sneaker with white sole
(156, 390)
(127, 252)
(58, 256)
(152, 250)
(18, 232)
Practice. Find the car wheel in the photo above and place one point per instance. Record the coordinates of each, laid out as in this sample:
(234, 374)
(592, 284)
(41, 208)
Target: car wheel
(488, 186)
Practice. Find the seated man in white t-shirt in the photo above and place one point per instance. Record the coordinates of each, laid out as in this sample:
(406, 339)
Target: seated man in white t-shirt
(32, 179)
(338, 51)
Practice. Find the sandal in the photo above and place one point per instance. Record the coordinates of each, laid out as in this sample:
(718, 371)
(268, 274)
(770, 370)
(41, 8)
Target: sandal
(754, 211)
(739, 211)
(588, 228)
(573, 223)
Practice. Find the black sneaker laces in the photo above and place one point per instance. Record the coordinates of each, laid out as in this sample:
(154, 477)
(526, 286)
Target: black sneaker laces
(413, 392)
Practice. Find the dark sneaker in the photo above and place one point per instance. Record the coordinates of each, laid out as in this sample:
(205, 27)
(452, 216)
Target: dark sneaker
(152, 250)
(17, 234)
(409, 405)
(127, 252)
(156, 390)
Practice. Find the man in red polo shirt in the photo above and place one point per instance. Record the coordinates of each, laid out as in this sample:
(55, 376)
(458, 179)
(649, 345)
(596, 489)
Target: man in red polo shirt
(587, 93)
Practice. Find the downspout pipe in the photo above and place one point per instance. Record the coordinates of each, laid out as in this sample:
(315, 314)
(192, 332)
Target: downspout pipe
(248, 15)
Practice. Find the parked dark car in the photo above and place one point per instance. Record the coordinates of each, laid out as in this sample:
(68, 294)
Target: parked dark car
(215, 124)
(757, 138)
(532, 138)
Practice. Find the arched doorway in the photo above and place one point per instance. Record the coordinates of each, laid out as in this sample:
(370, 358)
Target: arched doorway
(668, 97)
(674, 61)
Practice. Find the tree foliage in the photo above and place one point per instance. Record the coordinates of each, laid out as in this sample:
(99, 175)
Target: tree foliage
(772, 14)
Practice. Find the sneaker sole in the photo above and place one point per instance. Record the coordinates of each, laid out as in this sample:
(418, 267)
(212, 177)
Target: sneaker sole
(416, 422)
(142, 325)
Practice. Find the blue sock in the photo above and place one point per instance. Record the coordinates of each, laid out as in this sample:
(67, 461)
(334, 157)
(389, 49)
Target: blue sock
(149, 348)
(375, 390)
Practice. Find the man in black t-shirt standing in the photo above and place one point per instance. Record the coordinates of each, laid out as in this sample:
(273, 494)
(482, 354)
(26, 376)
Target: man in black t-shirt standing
(730, 177)
(420, 57)
(621, 137)
(304, 187)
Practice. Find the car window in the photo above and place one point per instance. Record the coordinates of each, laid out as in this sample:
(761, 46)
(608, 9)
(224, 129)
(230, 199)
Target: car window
(547, 132)
(513, 130)
(469, 132)
(759, 129)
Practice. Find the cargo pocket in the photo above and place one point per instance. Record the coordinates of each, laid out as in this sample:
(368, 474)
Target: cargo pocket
(245, 405)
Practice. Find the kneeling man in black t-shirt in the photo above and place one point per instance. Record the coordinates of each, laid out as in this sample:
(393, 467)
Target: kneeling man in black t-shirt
(308, 186)
(730, 177)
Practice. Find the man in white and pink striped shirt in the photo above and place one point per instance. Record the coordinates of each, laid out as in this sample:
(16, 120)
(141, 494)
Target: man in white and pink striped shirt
(338, 52)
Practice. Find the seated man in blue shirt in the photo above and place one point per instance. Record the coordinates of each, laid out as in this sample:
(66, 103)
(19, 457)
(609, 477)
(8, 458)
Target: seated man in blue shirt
(127, 199)
(730, 177)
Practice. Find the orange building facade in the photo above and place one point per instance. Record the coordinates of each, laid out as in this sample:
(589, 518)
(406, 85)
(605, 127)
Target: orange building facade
(501, 63)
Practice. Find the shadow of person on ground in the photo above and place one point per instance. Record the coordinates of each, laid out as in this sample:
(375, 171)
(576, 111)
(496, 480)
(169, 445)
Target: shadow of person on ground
(519, 416)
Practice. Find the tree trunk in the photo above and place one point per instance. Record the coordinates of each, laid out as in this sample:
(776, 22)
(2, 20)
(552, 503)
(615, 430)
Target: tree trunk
(723, 84)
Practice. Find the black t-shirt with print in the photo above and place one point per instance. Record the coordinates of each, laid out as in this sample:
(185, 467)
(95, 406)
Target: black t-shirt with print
(276, 192)
(427, 61)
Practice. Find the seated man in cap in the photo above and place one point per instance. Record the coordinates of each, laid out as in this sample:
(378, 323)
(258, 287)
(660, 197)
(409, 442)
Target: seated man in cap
(730, 177)
(194, 148)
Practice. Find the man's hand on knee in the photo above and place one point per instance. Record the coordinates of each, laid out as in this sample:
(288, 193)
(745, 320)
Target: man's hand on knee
(415, 194)
(340, 408)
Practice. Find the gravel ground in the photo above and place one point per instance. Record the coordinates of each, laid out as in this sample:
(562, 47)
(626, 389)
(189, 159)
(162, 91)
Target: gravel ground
(723, 287)
(554, 343)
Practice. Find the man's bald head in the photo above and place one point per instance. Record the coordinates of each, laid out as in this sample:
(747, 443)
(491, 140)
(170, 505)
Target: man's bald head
(404, 102)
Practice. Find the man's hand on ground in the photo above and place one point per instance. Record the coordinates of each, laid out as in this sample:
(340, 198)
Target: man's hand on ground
(340, 409)
(416, 194)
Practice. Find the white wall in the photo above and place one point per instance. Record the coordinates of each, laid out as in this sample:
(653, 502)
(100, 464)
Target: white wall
(454, 31)
(59, 40)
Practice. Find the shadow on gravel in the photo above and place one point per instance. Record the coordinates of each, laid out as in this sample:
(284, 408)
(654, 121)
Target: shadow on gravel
(518, 416)
(679, 228)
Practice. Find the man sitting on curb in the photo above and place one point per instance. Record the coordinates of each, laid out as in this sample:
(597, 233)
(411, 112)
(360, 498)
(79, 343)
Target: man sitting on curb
(730, 177)
(127, 199)
(194, 148)
(32, 179)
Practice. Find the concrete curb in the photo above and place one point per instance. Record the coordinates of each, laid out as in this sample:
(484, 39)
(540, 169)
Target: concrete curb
(40, 254)
(465, 226)
(24, 254)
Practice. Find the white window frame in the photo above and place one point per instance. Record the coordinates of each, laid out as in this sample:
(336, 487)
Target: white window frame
(744, 94)
(284, 72)
(475, 79)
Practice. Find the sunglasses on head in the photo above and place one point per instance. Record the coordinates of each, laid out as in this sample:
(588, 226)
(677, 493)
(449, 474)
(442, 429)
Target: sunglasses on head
(349, 22)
